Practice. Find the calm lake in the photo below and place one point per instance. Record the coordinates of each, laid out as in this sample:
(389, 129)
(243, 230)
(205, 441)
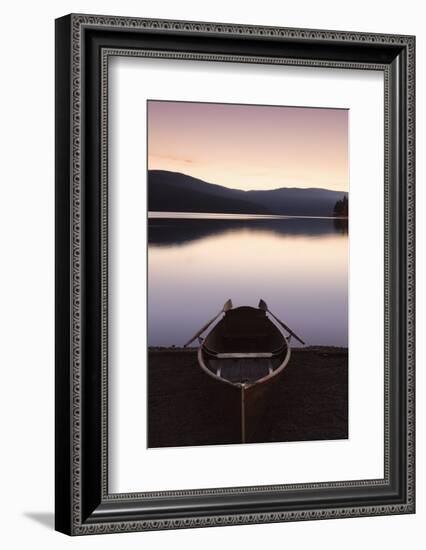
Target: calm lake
(299, 266)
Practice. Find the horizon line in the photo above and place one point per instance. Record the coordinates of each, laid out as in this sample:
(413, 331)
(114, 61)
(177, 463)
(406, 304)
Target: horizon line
(245, 190)
(164, 214)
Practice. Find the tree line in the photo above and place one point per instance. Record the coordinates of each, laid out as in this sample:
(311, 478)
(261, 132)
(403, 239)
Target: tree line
(341, 208)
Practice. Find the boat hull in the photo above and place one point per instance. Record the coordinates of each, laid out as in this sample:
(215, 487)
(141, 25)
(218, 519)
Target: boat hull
(245, 351)
(248, 399)
(255, 400)
(242, 407)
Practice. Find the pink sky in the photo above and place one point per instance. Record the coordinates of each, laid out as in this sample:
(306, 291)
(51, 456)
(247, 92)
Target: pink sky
(250, 146)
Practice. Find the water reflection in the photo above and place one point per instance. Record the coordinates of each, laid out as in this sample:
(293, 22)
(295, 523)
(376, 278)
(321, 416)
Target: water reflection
(169, 231)
(341, 225)
(299, 266)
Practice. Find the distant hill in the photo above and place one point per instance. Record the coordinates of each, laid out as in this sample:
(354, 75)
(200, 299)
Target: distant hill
(295, 201)
(176, 192)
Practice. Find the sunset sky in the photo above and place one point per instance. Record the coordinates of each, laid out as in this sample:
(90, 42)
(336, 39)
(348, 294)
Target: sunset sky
(248, 146)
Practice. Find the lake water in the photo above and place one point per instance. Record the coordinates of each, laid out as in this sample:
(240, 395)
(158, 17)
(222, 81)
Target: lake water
(299, 266)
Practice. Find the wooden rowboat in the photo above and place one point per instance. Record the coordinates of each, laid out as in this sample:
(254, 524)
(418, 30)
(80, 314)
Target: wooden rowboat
(247, 349)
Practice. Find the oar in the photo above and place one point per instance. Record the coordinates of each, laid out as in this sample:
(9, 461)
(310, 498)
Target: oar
(263, 305)
(226, 306)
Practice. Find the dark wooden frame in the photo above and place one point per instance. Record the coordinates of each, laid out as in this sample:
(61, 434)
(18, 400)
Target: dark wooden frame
(83, 45)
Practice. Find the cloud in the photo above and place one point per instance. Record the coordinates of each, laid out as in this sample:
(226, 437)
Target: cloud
(172, 158)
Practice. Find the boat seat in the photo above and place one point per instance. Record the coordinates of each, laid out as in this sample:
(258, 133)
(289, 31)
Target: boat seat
(231, 353)
(257, 355)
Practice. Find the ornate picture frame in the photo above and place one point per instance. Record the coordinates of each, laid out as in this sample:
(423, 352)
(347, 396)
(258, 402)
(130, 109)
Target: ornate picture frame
(84, 44)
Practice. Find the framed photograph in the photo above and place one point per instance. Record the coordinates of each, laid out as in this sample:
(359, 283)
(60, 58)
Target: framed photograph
(234, 274)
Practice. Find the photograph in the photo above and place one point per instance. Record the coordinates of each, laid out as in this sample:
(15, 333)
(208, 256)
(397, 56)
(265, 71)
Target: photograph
(248, 253)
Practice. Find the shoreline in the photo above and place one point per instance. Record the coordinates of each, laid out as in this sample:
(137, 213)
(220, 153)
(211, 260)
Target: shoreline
(160, 215)
(315, 349)
(308, 400)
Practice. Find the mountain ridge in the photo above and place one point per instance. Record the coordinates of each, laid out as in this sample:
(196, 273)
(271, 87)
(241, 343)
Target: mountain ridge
(178, 192)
